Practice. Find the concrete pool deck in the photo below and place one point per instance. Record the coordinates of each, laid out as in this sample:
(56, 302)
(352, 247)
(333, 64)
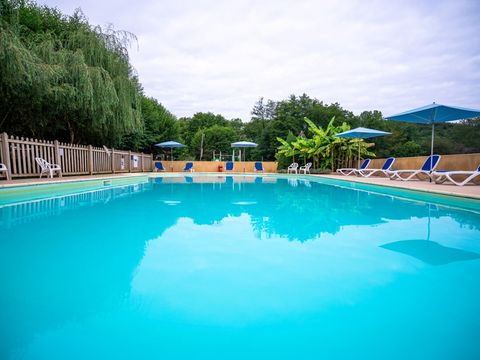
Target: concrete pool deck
(470, 191)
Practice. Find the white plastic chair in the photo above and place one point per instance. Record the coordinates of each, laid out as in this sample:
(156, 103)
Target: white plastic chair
(3, 168)
(441, 176)
(47, 168)
(292, 168)
(306, 168)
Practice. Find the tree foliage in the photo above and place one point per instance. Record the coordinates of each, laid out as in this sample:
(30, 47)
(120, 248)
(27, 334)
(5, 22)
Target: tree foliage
(62, 78)
(323, 147)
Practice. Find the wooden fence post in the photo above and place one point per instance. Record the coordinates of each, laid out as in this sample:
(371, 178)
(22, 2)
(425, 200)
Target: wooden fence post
(113, 160)
(90, 160)
(57, 157)
(143, 163)
(129, 161)
(6, 155)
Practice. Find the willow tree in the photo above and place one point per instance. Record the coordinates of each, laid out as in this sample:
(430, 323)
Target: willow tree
(62, 78)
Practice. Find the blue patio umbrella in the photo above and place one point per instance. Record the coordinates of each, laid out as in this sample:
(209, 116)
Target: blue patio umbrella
(361, 133)
(435, 113)
(171, 145)
(244, 144)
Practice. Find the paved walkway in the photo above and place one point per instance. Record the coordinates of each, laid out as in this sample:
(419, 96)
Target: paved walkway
(472, 191)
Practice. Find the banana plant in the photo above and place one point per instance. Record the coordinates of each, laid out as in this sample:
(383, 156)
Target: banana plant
(287, 149)
(324, 147)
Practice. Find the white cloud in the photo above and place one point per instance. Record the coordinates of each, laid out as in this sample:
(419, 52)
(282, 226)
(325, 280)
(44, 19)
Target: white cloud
(222, 56)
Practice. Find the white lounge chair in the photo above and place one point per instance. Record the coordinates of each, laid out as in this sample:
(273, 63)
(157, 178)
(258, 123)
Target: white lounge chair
(350, 171)
(369, 172)
(306, 168)
(3, 168)
(292, 168)
(47, 168)
(427, 168)
(468, 176)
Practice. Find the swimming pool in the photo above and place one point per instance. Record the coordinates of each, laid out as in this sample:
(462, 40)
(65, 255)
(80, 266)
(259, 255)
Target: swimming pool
(237, 267)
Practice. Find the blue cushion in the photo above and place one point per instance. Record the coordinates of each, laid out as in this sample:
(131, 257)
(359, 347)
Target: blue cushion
(431, 162)
(388, 163)
(365, 164)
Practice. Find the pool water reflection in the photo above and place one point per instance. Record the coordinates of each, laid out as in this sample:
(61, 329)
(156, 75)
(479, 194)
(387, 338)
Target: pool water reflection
(238, 267)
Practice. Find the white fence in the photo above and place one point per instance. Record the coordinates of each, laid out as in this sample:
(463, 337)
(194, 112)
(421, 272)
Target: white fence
(18, 154)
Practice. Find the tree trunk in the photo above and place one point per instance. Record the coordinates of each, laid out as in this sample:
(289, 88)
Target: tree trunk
(71, 131)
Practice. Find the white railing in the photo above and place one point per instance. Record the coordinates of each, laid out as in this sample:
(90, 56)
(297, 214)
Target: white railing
(18, 154)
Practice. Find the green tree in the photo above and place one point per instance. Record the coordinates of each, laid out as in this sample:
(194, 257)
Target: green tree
(159, 125)
(62, 78)
(216, 138)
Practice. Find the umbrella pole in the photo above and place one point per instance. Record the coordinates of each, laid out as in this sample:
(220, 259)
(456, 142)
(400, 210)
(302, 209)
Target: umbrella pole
(171, 158)
(431, 149)
(358, 159)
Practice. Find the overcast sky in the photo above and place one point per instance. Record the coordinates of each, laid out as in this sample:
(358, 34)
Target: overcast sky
(222, 56)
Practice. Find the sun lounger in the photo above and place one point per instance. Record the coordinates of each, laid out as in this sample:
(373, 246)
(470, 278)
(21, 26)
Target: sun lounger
(468, 177)
(306, 168)
(188, 167)
(47, 168)
(292, 168)
(229, 166)
(258, 166)
(159, 166)
(350, 171)
(428, 166)
(369, 172)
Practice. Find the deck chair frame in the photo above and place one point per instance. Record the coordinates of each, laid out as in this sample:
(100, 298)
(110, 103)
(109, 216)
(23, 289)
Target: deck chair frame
(350, 171)
(370, 172)
(469, 176)
(426, 170)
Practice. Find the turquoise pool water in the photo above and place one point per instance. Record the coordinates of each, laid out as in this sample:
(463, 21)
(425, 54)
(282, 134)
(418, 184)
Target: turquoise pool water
(238, 268)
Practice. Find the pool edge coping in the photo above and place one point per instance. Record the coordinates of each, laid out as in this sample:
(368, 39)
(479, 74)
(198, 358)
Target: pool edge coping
(397, 185)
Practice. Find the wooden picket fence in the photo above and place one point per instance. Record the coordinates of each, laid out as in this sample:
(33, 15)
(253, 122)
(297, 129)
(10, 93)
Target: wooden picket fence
(18, 154)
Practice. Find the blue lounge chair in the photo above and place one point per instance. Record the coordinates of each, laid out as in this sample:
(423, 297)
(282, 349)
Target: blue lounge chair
(428, 166)
(369, 172)
(229, 166)
(188, 167)
(157, 180)
(258, 166)
(468, 176)
(159, 166)
(350, 171)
